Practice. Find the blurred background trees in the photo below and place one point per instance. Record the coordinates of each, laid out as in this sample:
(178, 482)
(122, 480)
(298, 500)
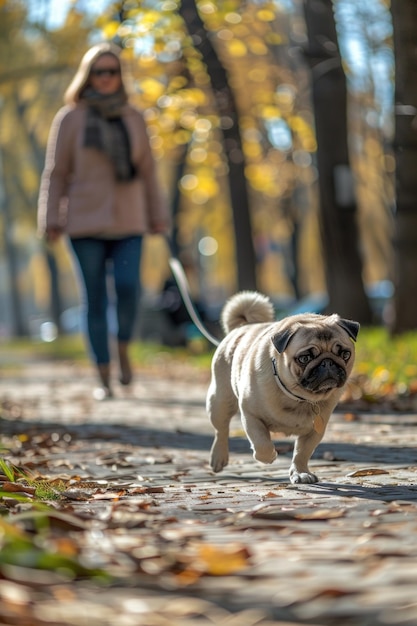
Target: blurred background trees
(35, 66)
(338, 210)
(236, 96)
(405, 150)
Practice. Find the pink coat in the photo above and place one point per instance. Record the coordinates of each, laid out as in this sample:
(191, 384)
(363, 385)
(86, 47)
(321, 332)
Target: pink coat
(79, 192)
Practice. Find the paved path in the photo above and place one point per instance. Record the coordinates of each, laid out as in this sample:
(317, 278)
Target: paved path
(340, 552)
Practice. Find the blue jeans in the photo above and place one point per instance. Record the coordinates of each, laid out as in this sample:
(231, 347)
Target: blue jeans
(98, 261)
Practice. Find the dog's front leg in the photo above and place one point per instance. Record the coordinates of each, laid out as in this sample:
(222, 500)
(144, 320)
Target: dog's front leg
(219, 453)
(260, 438)
(303, 449)
(220, 412)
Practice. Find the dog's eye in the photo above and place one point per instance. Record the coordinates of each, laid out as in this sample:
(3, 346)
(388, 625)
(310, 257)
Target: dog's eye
(303, 359)
(342, 352)
(345, 354)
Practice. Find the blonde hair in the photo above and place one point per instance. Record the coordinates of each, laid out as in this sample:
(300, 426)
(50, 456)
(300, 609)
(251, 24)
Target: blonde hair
(81, 78)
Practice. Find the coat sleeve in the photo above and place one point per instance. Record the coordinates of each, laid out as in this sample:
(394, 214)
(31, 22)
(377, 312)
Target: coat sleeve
(55, 176)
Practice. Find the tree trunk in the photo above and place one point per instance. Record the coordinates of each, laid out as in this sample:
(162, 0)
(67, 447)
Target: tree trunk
(245, 254)
(338, 209)
(176, 198)
(19, 328)
(404, 15)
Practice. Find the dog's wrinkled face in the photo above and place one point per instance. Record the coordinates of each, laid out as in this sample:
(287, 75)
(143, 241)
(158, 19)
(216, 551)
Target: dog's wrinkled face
(318, 355)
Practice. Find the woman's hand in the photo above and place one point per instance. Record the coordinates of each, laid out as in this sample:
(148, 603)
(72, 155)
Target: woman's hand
(52, 234)
(159, 228)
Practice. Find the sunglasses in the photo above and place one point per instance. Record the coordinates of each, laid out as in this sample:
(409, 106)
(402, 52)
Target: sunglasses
(105, 71)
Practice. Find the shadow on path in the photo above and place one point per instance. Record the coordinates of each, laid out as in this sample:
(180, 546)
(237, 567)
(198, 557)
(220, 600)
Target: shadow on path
(144, 436)
(385, 493)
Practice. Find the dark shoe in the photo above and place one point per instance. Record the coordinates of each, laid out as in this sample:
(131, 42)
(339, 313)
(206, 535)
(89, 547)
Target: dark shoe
(103, 392)
(124, 363)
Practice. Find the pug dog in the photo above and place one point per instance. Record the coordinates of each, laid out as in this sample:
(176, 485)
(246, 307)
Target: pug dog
(282, 376)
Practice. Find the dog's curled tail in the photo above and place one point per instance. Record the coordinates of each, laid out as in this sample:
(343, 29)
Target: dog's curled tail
(246, 307)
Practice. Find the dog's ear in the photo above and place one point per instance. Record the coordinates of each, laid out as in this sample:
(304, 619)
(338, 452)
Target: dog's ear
(351, 327)
(282, 339)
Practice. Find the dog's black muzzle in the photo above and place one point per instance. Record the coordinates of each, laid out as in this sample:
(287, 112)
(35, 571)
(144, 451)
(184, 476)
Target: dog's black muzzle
(325, 376)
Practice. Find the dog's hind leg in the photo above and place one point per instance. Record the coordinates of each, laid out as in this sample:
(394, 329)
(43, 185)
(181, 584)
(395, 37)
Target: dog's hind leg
(221, 407)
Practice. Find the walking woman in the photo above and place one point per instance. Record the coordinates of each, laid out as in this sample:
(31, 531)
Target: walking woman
(99, 187)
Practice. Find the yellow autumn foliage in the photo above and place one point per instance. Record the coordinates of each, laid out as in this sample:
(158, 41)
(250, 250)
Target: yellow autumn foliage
(222, 560)
(236, 48)
(173, 88)
(110, 29)
(266, 15)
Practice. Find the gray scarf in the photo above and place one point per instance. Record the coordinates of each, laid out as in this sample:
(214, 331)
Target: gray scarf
(106, 131)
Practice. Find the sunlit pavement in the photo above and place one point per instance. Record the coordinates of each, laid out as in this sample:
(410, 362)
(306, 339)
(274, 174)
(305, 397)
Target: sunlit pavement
(342, 551)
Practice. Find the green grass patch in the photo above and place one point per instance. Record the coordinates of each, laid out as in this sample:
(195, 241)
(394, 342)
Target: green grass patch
(15, 352)
(72, 348)
(46, 490)
(387, 363)
(7, 469)
(150, 354)
(41, 488)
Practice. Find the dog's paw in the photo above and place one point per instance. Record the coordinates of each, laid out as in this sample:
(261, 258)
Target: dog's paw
(219, 458)
(302, 477)
(265, 456)
(218, 464)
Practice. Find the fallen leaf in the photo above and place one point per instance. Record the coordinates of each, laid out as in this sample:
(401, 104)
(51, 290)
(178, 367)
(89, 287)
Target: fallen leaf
(187, 577)
(54, 519)
(155, 489)
(275, 512)
(18, 488)
(77, 494)
(333, 592)
(350, 417)
(108, 495)
(370, 471)
(270, 494)
(216, 560)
